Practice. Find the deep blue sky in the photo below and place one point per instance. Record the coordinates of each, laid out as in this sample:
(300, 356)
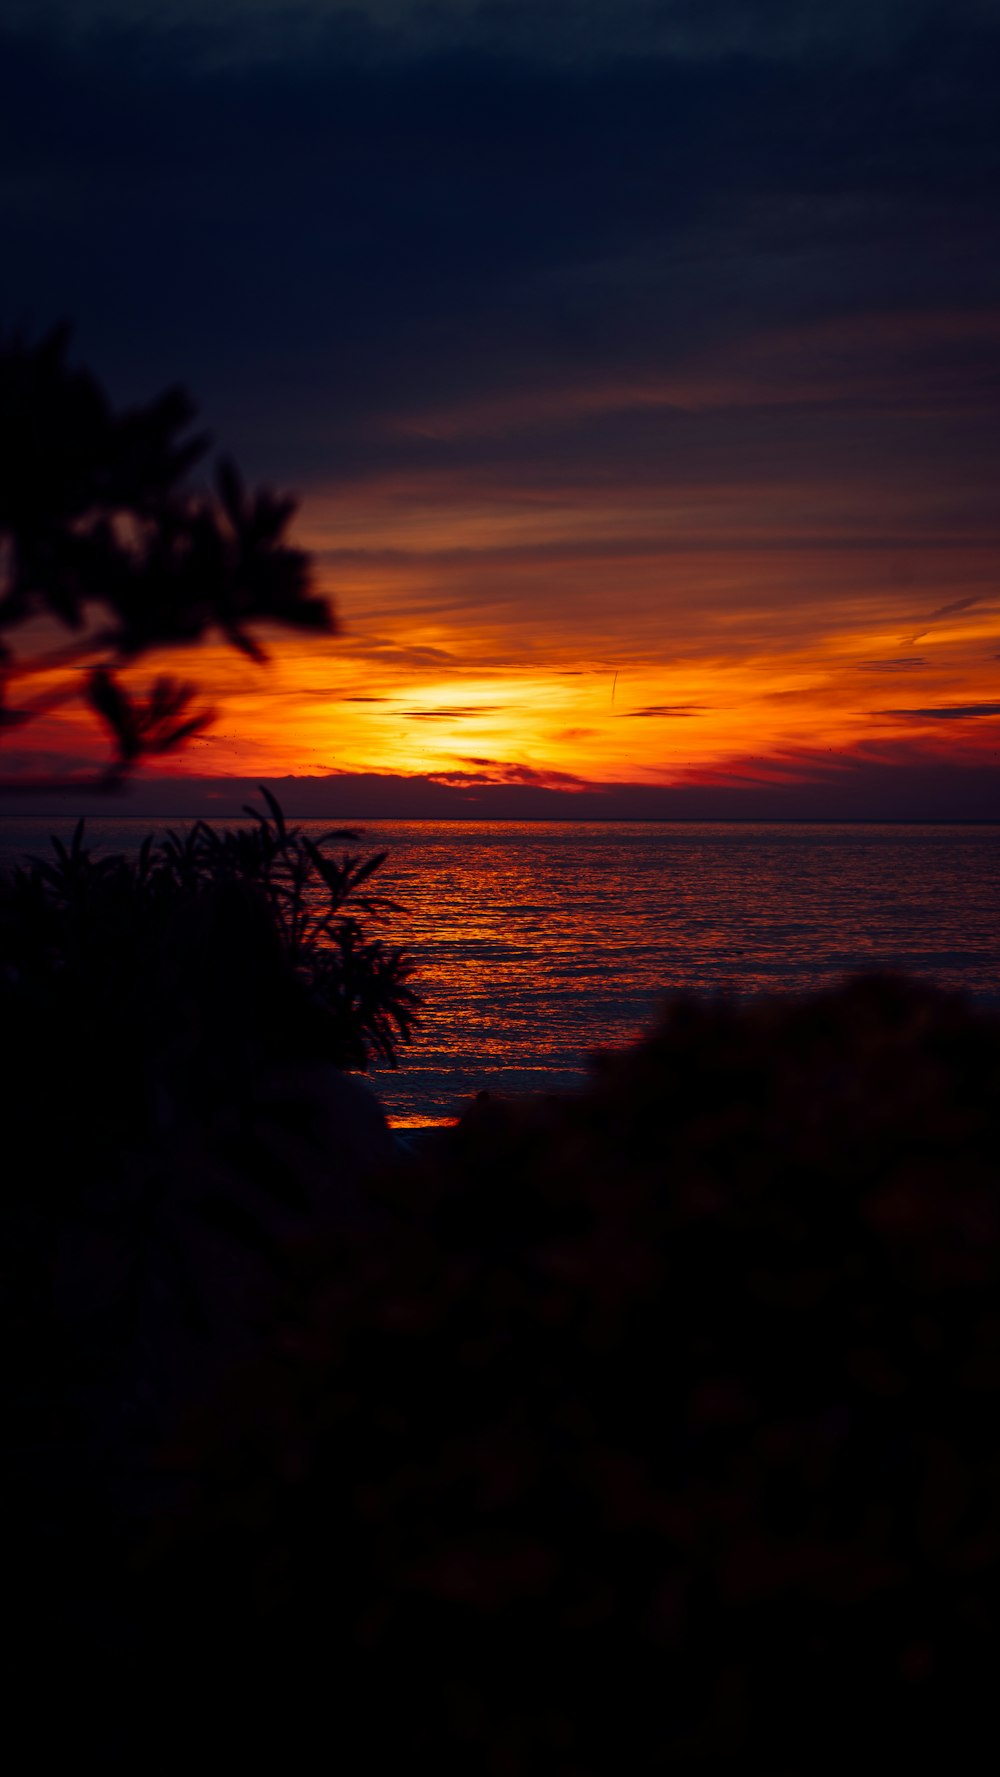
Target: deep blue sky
(321, 214)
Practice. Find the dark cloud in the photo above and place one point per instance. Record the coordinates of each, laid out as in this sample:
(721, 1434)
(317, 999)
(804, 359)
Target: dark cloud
(897, 663)
(858, 786)
(951, 609)
(956, 712)
(667, 709)
(328, 240)
(245, 32)
(415, 656)
(325, 694)
(454, 713)
(497, 771)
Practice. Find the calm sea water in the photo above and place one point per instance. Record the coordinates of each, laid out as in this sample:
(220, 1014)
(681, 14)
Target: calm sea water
(539, 942)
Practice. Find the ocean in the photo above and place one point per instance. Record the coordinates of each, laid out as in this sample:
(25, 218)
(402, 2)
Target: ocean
(539, 942)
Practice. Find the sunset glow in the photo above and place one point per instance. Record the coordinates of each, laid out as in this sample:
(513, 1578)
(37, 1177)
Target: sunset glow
(641, 400)
(509, 646)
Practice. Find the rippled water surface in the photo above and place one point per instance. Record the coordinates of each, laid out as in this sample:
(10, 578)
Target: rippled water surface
(538, 942)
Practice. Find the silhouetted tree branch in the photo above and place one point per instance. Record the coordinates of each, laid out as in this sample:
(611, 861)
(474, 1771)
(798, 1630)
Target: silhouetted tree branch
(102, 535)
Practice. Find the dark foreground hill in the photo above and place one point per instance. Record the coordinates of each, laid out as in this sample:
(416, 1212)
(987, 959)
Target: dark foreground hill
(657, 1429)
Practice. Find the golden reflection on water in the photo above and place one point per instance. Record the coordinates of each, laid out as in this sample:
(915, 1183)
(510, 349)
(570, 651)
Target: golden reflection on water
(538, 942)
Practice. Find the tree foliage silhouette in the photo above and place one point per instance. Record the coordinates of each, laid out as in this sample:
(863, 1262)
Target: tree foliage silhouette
(285, 959)
(103, 535)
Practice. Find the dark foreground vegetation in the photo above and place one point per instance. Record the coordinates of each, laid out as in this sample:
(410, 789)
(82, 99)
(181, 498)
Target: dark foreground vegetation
(174, 1108)
(655, 1429)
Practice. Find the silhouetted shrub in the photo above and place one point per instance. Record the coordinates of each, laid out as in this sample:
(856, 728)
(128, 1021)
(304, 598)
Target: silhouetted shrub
(171, 1108)
(664, 1433)
(223, 940)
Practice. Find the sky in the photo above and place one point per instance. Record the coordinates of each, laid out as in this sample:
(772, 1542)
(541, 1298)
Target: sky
(637, 367)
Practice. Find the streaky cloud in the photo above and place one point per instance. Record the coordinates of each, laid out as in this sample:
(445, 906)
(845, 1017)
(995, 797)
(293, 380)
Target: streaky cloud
(955, 712)
(952, 609)
(665, 709)
(454, 713)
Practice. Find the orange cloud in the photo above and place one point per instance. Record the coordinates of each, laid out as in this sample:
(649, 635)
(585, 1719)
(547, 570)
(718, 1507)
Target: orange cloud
(652, 633)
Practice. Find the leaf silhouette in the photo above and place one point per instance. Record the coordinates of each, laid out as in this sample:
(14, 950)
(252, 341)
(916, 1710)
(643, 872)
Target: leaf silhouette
(99, 533)
(114, 706)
